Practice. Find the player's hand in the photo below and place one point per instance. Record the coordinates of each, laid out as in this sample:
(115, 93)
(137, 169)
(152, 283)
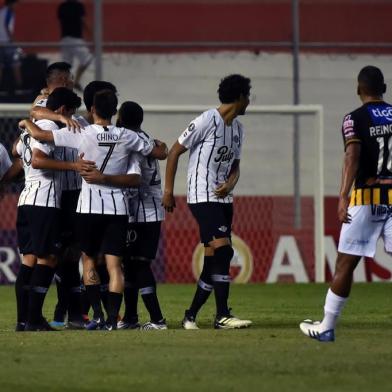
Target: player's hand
(168, 202)
(82, 165)
(70, 123)
(22, 124)
(223, 190)
(343, 215)
(93, 176)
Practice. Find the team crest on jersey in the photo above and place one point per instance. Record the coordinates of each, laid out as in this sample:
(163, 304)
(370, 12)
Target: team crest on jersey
(241, 265)
(236, 139)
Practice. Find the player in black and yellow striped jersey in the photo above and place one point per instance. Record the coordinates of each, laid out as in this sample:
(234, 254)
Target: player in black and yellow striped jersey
(367, 214)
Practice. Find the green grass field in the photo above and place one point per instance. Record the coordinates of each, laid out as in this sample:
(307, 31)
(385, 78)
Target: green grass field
(272, 355)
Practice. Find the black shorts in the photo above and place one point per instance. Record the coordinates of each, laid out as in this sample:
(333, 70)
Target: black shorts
(69, 202)
(143, 240)
(214, 220)
(38, 230)
(102, 234)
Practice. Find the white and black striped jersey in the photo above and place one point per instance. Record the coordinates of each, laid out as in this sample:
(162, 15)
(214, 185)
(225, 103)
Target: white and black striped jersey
(213, 146)
(5, 161)
(70, 179)
(114, 150)
(145, 203)
(42, 187)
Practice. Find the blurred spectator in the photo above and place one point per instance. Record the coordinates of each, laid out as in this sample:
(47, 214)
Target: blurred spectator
(10, 55)
(71, 14)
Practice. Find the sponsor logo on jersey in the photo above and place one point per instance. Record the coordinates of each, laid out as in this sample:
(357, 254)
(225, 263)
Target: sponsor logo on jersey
(107, 137)
(348, 127)
(381, 115)
(241, 265)
(224, 154)
(191, 127)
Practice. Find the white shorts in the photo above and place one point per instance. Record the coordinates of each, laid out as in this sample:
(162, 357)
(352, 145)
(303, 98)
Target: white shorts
(80, 51)
(368, 224)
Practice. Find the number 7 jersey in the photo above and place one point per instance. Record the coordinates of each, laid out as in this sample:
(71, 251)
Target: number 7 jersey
(115, 151)
(371, 126)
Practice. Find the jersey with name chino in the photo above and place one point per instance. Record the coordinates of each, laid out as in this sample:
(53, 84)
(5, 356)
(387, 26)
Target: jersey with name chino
(115, 152)
(213, 147)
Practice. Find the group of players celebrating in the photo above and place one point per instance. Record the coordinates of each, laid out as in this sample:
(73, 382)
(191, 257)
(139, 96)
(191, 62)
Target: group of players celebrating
(93, 192)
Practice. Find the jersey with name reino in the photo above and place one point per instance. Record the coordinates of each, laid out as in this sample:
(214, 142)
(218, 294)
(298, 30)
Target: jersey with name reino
(114, 151)
(213, 147)
(371, 126)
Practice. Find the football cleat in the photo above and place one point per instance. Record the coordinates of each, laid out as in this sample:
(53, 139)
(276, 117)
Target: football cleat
(128, 325)
(314, 330)
(75, 324)
(20, 327)
(231, 322)
(57, 324)
(43, 326)
(95, 324)
(189, 322)
(160, 325)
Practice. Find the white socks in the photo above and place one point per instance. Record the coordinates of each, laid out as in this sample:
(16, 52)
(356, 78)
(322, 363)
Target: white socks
(332, 309)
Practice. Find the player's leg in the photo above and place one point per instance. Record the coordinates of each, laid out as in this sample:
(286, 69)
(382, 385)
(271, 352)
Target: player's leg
(61, 307)
(113, 246)
(91, 283)
(357, 239)
(22, 283)
(203, 290)
(90, 236)
(131, 294)
(46, 246)
(104, 279)
(116, 289)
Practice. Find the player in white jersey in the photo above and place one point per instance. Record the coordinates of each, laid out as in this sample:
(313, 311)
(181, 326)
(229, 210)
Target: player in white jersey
(102, 208)
(145, 216)
(214, 140)
(38, 213)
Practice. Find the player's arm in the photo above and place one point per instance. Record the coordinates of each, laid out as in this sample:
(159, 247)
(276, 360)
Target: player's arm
(168, 201)
(224, 189)
(349, 171)
(36, 132)
(41, 160)
(159, 151)
(119, 181)
(14, 171)
(42, 113)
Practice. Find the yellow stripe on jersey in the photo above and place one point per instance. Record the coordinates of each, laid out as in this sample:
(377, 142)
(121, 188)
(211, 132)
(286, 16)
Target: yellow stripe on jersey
(366, 196)
(352, 141)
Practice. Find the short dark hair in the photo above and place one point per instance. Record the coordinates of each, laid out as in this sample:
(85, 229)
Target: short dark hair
(371, 80)
(92, 88)
(53, 71)
(63, 96)
(232, 87)
(105, 104)
(130, 115)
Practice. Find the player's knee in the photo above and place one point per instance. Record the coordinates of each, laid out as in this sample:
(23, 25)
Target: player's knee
(145, 277)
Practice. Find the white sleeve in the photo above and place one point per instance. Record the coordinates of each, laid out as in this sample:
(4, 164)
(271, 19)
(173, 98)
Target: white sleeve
(138, 143)
(19, 147)
(5, 161)
(134, 164)
(46, 125)
(46, 148)
(195, 132)
(65, 138)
